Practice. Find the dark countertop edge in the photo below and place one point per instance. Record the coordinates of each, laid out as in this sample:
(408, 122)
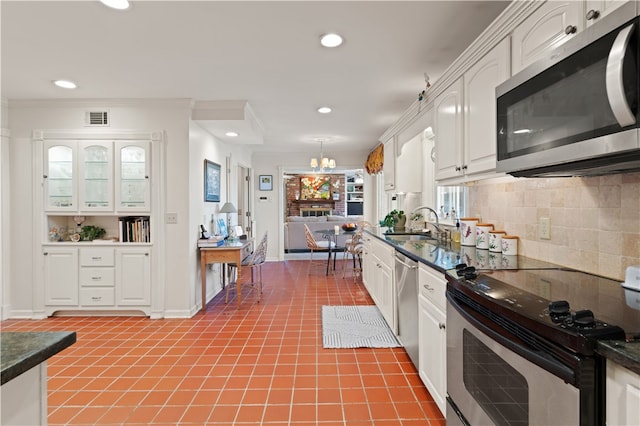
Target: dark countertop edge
(407, 253)
(67, 338)
(627, 354)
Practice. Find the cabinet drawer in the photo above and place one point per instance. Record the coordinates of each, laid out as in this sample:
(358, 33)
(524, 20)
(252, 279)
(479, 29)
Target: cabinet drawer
(102, 277)
(97, 296)
(99, 256)
(432, 285)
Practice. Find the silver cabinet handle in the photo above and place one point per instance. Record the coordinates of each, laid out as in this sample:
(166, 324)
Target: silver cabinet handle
(96, 298)
(571, 29)
(441, 326)
(615, 86)
(428, 288)
(593, 14)
(96, 258)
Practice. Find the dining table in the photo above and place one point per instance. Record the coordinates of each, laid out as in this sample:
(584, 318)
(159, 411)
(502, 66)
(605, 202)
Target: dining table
(331, 235)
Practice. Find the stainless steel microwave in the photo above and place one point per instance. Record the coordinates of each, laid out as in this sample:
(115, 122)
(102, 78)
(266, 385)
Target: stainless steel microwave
(575, 112)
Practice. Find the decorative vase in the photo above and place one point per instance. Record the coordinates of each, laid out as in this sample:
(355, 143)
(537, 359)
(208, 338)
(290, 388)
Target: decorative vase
(401, 221)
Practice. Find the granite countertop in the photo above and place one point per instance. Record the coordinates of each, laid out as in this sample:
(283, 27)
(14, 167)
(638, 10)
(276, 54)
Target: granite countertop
(445, 256)
(627, 354)
(21, 351)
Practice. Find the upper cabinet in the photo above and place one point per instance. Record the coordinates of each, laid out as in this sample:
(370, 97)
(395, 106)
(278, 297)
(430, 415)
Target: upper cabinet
(79, 176)
(447, 120)
(465, 119)
(548, 27)
(132, 173)
(597, 9)
(480, 84)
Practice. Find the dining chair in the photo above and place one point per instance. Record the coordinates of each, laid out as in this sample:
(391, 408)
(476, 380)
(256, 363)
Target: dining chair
(253, 261)
(314, 245)
(353, 248)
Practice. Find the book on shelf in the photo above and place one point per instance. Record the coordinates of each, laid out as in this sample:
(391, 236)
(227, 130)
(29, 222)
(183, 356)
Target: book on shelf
(134, 229)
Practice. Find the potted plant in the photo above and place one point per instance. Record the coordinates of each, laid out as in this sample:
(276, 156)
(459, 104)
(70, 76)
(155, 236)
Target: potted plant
(394, 220)
(90, 232)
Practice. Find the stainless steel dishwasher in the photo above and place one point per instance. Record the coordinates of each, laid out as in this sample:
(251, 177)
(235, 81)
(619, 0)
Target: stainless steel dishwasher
(407, 288)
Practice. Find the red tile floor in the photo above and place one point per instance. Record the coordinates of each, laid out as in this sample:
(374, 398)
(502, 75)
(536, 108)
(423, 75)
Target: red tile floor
(261, 364)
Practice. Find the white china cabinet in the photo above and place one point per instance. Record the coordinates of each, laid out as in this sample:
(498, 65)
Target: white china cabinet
(104, 183)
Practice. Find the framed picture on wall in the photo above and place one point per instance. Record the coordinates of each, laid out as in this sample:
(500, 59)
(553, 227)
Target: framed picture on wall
(211, 181)
(265, 182)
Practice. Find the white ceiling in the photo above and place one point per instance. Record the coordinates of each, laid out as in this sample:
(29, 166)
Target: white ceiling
(265, 53)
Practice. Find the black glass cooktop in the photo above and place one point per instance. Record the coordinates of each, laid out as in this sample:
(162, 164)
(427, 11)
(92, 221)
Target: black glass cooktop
(583, 303)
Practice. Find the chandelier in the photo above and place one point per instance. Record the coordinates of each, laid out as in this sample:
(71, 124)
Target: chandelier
(324, 163)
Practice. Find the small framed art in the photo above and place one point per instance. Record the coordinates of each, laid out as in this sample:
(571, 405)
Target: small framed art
(265, 182)
(211, 181)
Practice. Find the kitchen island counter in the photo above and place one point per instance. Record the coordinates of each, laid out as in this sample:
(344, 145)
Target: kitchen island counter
(24, 374)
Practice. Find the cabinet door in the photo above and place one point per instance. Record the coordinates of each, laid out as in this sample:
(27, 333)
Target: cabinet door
(387, 295)
(551, 25)
(432, 347)
(448, 131)
(61, 280)
(480, 83)
(368, 264)
(623, 395)
(60, 187)
(96, 176)
(133, 272)
(133, 165)
(598, 9)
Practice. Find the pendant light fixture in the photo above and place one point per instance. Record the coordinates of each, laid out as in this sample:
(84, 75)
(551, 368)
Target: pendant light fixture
(323, 162)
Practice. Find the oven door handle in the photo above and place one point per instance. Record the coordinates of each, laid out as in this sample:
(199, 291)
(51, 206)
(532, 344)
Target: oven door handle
(615, 85)
(546, 361)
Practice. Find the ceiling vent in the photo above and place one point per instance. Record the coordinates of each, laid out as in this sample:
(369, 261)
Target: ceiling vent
(96, 118)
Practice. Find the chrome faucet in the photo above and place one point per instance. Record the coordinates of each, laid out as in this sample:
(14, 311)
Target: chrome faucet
(436, 225)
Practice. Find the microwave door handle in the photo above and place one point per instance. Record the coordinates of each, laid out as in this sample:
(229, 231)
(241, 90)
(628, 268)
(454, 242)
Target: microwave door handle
(615, 87)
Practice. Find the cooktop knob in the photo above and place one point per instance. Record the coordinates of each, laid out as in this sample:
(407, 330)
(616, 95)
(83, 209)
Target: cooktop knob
(583, 318)
(559, 308)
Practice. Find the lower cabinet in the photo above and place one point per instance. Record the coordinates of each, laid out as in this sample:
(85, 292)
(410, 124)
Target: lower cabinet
(623, 396)
(432, 342)
(378, 278)
(97, 278)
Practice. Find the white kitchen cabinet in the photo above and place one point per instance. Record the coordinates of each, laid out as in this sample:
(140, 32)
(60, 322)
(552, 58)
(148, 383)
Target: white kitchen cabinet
(447, 117)
(95, 177)
(133, 282)
(409, 165)
(548, 27)
(97, 276)
(465, 132)
(60, 276)
(623, 396)
(389, 165)
(59, 174)
(480, 82)
(378, 277)
(432, 342)
(598, 9)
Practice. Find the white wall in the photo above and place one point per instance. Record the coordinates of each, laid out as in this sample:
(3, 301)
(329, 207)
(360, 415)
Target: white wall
(202, 145)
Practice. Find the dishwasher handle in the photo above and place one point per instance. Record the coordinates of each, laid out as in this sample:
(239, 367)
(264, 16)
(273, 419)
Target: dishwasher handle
(400, 260)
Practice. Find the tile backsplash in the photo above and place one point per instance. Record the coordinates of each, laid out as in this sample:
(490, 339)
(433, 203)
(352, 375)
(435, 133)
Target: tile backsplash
(595, 221)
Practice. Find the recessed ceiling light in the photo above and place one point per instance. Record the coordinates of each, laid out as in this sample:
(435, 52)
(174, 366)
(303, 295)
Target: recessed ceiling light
(331, 40)
(324, 110)
(116, 4)
(65, 84)
(231, 134)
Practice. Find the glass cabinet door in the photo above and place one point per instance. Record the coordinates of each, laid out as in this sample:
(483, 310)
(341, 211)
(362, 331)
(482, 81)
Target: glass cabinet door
(59, 176)
(96, 171)
(132, 186)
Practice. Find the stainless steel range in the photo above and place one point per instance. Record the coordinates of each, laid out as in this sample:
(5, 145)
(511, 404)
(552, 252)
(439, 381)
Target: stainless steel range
(520, 345)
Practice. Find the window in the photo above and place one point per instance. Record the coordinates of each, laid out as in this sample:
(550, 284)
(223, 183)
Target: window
(451, 198)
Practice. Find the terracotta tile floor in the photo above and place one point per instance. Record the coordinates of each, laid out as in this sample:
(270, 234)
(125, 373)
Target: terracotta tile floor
(261, 364)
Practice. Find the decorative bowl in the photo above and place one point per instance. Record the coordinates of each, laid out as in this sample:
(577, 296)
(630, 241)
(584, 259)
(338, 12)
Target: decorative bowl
(349, 227)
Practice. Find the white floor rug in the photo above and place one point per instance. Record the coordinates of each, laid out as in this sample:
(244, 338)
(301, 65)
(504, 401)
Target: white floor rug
(356, 327)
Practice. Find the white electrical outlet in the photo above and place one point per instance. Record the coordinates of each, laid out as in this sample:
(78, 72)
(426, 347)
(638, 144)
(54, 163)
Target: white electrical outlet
(545, 228)
(171, 218)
